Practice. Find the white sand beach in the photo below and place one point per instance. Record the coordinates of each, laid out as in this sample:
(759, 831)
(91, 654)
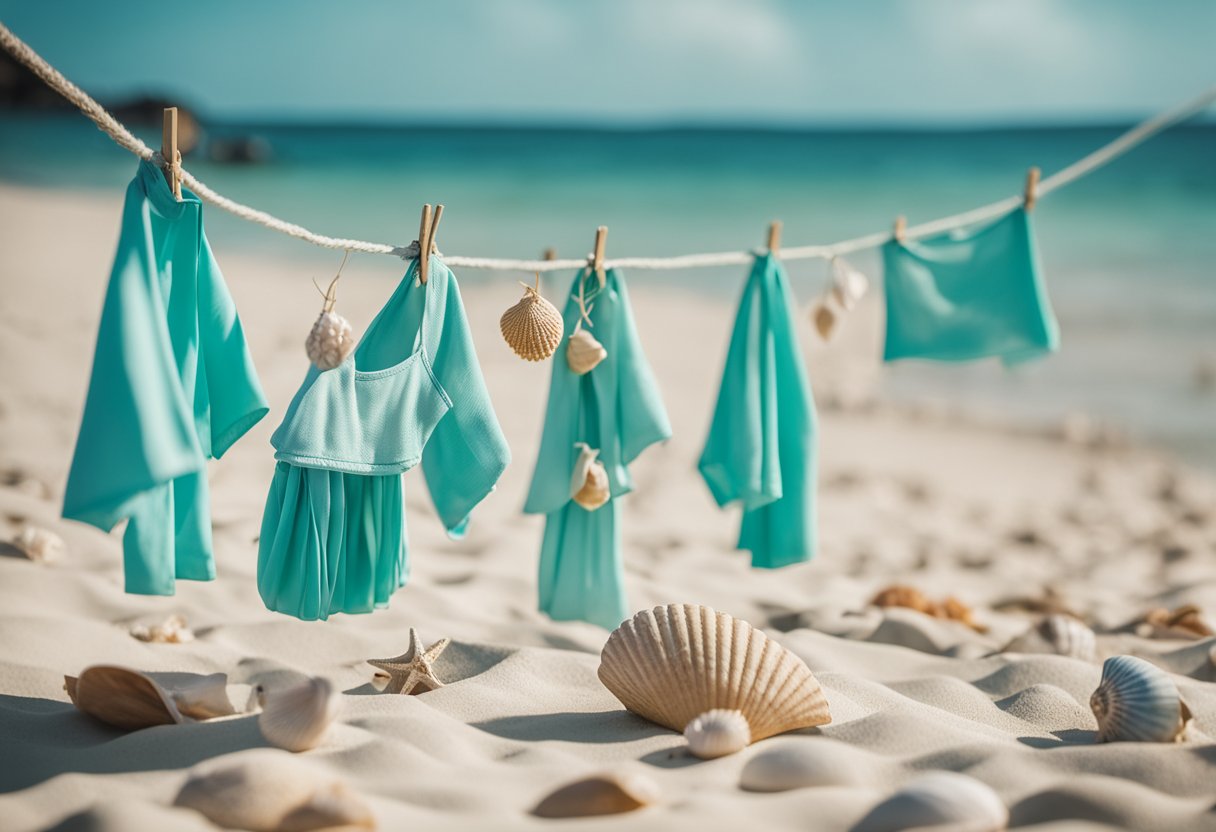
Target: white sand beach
(988, 513)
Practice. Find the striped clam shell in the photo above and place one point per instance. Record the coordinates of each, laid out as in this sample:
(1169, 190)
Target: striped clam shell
(1138, 702)
(676, 663)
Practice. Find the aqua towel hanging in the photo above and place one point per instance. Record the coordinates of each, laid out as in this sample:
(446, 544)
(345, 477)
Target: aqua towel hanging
(970, 294)
(172, 386)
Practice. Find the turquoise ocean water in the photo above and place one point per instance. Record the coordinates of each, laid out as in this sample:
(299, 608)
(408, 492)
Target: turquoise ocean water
(1129, 253)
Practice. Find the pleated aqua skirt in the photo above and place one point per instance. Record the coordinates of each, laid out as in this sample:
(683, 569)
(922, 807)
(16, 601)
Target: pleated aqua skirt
(331, 542)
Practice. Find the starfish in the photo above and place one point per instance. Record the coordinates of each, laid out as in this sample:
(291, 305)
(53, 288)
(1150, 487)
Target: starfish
(412, 669)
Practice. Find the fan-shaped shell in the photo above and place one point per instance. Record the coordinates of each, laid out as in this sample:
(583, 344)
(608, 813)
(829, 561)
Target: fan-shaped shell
(672, 664)
(584, 352)
(1060, 634)
(1137, 701)
(330, 340)
(298, 717)
(533, 327)
(939, 800)
(589, 482)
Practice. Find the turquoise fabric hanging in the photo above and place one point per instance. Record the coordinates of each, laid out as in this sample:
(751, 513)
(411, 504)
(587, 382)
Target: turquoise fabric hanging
(172, 386)
(966, 295)
(761, 448)
(333, 532)
(615, 408)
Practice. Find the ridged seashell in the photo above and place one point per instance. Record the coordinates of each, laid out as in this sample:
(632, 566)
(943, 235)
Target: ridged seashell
(39, 544)
(602, 794)
(798, 764)
(939, 800)
(269, 791)
(824, 319)
(849, 285)
(1059, 634)
(675, 663)
(584, 352)
(589, 482)
(298, 717)
(533, 327)
(717, 733)
(329, 341)
(172, 630)
(1138, 702)
(131, 700)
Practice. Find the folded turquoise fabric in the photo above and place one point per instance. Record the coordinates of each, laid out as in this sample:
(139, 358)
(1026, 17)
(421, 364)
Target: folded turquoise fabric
(333, 532)
(974, 294)
(761, 448)
(616, 408)
(172, 386)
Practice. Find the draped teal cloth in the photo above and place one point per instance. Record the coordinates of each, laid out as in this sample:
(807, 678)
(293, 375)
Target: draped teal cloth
(617, 409)
(761, 448)
(333, 532)
(172, 386)
(966, 295)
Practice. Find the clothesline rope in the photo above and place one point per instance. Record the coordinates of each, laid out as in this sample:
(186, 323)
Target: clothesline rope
(126, 139)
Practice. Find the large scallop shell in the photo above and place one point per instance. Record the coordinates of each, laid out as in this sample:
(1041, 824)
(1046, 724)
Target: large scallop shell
(330, 340)
(1060, 634)
(674, 664)
(589, 481)
(533, 327)
(939, 800)
(584, 352)
(1138, 702)
(298, 717)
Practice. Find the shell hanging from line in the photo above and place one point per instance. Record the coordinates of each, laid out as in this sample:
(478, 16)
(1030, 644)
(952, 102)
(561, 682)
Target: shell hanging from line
(331, 338)
(533, 327)
(583, 351)
(718, 679)
(589, 482)
(849, 285)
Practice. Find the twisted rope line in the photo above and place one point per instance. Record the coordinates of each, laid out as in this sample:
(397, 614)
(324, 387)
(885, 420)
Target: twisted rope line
(124, 138)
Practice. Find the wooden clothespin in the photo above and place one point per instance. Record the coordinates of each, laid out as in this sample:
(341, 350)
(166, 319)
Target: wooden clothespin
(1032, 188)
(426, 238)
(597, 256)
(901, 226)
(170, 153)
(550, 254)
(774, 237)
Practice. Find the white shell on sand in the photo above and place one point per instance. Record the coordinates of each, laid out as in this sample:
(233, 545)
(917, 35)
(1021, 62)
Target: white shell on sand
(589, 481)
(131, 700)
(1060, 634)
(601, 794)
(800, 763)
(533, 327)
(717, 733)
(584, 352)
(672, 664)
(38, 544)
(330, 340)
(298, 717)
(1137, 701)
(270, 791)
(938, 800)
(172, 630)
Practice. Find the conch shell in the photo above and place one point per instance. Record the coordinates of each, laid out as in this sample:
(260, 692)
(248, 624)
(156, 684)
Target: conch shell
(269, 791)
(533, 327)
(131, 700)
(297, 718)
(38, 544)
(331, 338)
(589, 483)
(1137, 701)
(584, 352)
(682, 665)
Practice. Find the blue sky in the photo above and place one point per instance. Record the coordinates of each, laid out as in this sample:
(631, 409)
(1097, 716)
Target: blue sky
(644, 61)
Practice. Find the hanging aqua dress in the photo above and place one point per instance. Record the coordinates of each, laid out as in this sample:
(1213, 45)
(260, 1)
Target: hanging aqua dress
(616, 409)
(969, 294)
(172, 386)
(333, 532)
(761, 450)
